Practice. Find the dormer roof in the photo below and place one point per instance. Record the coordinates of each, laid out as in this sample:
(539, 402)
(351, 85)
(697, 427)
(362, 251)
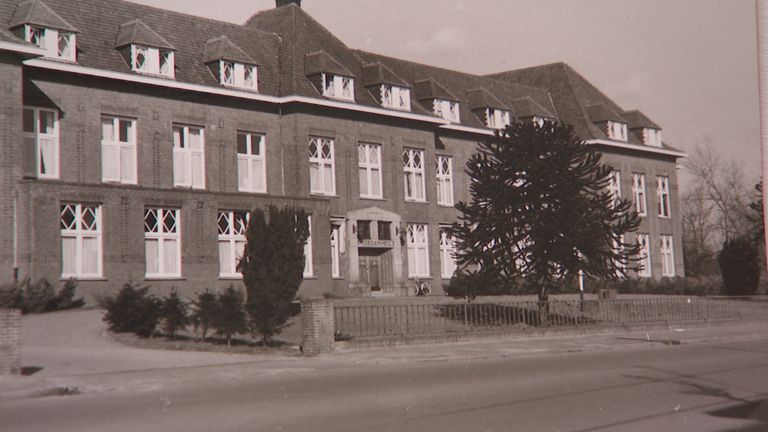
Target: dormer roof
(321, 62)
(222, 48)
(427, 89)
(638, 120)
(378, 73)
(480, 98)
(600, 113)
(526, 107)
(136, 32)
(37, 13)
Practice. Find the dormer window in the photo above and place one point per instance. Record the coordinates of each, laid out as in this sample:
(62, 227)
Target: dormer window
(57, 44)
(338, 87)
(617, 131)
(446, 109)
(539, 121)
(150, 60)
(239, 75)
(497, 118)
(395, 97)
(652, 137)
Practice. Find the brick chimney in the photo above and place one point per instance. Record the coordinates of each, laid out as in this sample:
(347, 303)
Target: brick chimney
(281, 3)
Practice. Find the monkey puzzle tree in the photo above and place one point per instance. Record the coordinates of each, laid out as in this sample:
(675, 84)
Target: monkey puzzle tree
(541, 212)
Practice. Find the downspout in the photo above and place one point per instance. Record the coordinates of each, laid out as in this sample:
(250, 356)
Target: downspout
(762, 51)
(15, 236)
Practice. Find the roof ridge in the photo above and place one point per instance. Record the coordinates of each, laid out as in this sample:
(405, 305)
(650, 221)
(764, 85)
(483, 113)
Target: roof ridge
(582, 108)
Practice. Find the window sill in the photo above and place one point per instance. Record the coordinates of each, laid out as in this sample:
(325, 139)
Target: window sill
(164, 278)
(370, 198)
(231, 277)
(416, 201)
(324, 195)
(82, 278)
(446, 205)
(309, 277)
(665, 217)
(255, 192)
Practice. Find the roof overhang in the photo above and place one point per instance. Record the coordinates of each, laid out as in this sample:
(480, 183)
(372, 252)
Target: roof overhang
(22, 49)
(645, 149)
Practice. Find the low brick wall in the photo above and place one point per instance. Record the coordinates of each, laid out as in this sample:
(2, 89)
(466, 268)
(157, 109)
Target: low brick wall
(317, 327)
(10, 341)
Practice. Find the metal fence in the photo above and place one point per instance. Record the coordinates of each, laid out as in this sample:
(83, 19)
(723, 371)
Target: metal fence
(439, 317)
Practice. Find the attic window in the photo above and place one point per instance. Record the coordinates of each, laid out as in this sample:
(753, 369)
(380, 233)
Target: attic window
(238, 75)
(497, 118)
(652, 137)
(338, 87)
(539, 121)
(446, 109)
(150, 60)
(395, 97)
(617, 131)
(58, 44)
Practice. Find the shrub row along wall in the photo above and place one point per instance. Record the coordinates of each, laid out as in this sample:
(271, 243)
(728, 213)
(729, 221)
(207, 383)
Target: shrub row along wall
(10, 341)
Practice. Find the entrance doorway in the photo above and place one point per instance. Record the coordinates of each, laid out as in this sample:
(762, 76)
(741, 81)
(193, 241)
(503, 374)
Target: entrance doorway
(370, 268)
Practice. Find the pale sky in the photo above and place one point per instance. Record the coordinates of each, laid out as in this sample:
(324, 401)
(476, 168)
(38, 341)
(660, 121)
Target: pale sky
(690, 65)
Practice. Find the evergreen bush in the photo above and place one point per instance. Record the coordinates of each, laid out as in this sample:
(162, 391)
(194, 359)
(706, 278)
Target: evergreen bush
(133, 310)
(204, 311)
(174, 314)
(740, 266)
(230, 316)
(39, 296)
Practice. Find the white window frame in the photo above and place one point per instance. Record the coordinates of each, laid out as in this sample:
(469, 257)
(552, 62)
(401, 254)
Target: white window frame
(662, 193)
(444, 175)
(652, 137)
(617, 131)
(417, 245)
(308, 265)
(370, 169)
(395, 97)
(338, 87)
(639, 194)
(188, 163)
(667, 256)
(80, 232)
(238, 73)
(497, 118)
(618, 247)
(45, 141)
(233, 237)
(446, 109)
(252, 165)
(157, 61)
(121, 152)
(164, 237)
(447, 252)
(50, 40)
(413, 175)
(614, 187)
(539, 121)
(325, 166)
(337, 229)
(644, 240)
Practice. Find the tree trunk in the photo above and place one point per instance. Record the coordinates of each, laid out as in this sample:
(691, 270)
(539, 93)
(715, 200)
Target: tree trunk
(544, 305)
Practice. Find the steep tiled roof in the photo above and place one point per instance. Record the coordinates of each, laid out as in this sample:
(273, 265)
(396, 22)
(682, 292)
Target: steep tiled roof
(321, 62)
(428, 89)
(136, 32)
(526, 107)
(221, 48)
(639, 120)
(378, 73)
(38, 13)
(480, 98)
(601, 113)
(99, 22)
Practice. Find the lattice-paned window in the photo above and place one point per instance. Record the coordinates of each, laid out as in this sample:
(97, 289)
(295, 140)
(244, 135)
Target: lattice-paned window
(338, 87)
(336, 247)
(188, 157)
(444, 174)
(418, 250)
(395, 97)
(57, 44)
(369, 170)
(652, 137)
(231, 226)
(614, 187)
(162, 243)
(81, 242)
(667, 256)
(662, 193)
(644, 263)
(41, 131)
(497, 118)
(638, 194)
(118, 150)
(618, 247)
(251, 162)
(446, 109)
(322, 171)
(447, 251)
(308, 266)
(617, 131)
(151, 60)
(413, 171)
(239, 75)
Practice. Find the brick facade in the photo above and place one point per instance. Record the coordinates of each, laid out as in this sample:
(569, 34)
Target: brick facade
(10, 341)
(317, 329)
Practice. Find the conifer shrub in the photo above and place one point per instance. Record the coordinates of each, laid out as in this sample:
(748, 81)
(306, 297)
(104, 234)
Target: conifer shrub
(230, 318)
(174, 314)
(39, 296)
(204, 311)
(133, 310)
(740, 266)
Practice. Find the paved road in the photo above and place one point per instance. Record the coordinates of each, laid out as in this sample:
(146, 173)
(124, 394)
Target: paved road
(659, 388)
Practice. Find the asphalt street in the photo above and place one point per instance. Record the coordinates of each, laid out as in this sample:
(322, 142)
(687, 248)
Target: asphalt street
(715, 386)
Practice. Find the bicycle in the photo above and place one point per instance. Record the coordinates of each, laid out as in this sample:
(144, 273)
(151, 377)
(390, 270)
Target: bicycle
(422, 288)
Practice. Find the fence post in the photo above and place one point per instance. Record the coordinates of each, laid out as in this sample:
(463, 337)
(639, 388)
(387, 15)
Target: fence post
(10, 341)
(317, 327)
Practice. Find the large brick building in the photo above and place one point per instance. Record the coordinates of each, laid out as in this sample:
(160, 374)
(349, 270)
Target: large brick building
(134, 139)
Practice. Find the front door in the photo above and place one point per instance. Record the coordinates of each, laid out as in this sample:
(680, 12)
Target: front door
(370, 268)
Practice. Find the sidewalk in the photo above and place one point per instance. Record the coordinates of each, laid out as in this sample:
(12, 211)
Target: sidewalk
(74, 354)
